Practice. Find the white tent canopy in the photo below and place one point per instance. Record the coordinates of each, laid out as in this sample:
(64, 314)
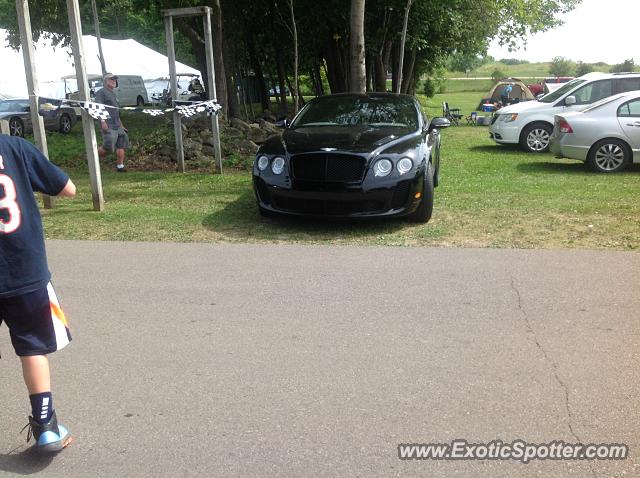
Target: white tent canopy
(122, 57)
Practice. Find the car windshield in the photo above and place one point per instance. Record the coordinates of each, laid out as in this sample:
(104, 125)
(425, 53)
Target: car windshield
(359, 110)
(11, 105)
(554, 95)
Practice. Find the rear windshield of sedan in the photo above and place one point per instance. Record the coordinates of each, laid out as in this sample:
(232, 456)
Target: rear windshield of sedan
(13, 106)
(348, 110)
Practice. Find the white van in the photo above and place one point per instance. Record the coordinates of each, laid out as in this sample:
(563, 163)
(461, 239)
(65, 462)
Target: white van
(530, 123)
(130, 89)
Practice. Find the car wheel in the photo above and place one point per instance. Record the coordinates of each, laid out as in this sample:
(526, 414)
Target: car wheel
(140, 101)
(16, 127)
(609, 156)
(65, 123)
(425, 209)
(535, 138)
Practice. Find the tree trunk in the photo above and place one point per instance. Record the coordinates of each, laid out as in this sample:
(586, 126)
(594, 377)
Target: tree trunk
(219, 60)
(295, 91)
(257, 69)
(404, 37)
(282, 104)
(230, 85)
(407, 77)
(358, 77)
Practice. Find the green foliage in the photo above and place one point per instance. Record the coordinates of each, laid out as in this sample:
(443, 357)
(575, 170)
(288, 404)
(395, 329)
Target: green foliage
(513, 61)
(583, 68)
(561, 66)
(429, 88)
(626, 66)
(497, 75)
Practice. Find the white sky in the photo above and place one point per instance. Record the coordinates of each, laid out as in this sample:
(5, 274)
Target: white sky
(596, 30)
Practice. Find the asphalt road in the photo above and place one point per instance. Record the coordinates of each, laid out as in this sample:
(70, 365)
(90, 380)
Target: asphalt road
(279, 360)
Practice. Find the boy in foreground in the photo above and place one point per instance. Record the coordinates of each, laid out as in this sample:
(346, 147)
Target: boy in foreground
(28, 303)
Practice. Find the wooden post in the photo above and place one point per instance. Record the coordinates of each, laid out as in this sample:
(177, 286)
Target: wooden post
(211, 88)
(75, 28)
(4, 127)
(26, 38)
(177, 120)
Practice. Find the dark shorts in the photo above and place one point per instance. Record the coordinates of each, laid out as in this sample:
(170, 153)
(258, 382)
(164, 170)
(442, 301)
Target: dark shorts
(36, 322)
(113, 139)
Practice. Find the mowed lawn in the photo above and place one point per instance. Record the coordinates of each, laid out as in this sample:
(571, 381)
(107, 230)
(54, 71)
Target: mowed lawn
(489, 196)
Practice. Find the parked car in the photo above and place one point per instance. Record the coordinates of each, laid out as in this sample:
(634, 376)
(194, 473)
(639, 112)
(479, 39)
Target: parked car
(530, 124)
(17, 113)
(190, 88)
(352, 155)
(606, 135)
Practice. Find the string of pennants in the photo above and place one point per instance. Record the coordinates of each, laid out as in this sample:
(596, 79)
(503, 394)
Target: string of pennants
(99, 111)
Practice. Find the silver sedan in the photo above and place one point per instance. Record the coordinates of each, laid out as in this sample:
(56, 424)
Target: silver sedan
(17, 113)
(606, 135)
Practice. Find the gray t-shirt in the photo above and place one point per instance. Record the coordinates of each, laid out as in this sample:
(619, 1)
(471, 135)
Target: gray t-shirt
(107, 97)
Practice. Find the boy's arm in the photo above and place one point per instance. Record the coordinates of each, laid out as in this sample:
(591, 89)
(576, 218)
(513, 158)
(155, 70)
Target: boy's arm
(68, 191)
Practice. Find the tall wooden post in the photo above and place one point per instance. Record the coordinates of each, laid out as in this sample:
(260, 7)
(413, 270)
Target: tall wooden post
(177, 120)
(211, 88)
(75, 27)
(26, 38)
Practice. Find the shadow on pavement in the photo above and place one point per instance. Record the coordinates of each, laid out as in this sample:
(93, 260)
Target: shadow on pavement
(25, 462)
(573, 167)
(242, 216)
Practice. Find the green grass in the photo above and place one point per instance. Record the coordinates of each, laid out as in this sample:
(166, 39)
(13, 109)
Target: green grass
(489, 196)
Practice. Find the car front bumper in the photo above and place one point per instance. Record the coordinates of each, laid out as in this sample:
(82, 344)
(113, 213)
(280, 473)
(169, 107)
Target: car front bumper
(504, 133)
(340, 200)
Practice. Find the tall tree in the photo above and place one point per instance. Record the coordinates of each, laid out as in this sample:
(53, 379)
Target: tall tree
(358, 75)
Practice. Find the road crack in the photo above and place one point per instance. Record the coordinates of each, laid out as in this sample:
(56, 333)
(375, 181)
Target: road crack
(554, 365)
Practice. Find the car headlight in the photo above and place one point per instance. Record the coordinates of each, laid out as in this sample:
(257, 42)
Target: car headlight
(277, 166)
(382, 167)
(404, 165)
(263, 162)
(509, 118)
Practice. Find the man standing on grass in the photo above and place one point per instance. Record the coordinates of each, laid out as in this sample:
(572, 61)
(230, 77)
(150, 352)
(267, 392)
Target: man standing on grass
(114, 134)
(28, 303)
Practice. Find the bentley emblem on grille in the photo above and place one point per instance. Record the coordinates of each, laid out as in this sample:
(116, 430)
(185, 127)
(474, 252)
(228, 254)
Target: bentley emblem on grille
(328, 149)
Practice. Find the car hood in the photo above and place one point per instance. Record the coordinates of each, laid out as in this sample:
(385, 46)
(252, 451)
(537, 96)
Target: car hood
(525, 106)
(353, 139)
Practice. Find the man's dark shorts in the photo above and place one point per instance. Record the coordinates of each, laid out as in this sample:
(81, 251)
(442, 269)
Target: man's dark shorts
(113, 139)
(36, 322)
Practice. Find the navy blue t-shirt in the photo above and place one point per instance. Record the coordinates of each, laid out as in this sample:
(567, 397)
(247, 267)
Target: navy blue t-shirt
(23, 170)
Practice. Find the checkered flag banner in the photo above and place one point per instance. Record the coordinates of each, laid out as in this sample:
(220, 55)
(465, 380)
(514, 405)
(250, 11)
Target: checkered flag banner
(149, 112)
(184, 108)
(96, 110)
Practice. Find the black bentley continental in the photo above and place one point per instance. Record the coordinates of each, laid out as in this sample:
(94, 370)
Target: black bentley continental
(352, 155)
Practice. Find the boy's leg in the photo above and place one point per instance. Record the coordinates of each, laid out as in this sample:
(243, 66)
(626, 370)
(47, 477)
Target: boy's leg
(120, 157)
(35, 370)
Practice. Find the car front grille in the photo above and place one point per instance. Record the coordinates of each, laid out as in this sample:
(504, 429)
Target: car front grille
(328, 207)
(327, 167)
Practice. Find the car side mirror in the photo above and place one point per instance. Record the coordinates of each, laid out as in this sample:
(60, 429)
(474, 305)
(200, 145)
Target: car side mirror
(283, 123)
(570, 100)
(438, 123)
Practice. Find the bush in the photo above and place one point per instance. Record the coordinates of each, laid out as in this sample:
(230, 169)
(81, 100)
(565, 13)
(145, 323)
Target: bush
(429, 88)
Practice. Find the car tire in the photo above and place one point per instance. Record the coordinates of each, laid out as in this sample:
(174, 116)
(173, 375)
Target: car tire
(425, 209)
(65, 124)
(535, 137)
(16, 127)
(609, 156)
(140, 101)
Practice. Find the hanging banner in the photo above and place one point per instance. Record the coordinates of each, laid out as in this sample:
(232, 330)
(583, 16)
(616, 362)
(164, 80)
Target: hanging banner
(99, 111)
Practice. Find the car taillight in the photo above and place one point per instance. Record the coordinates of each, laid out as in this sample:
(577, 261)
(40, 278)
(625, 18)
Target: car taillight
(564, 126)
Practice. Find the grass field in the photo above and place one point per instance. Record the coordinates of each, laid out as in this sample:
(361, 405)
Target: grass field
(490, 196)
